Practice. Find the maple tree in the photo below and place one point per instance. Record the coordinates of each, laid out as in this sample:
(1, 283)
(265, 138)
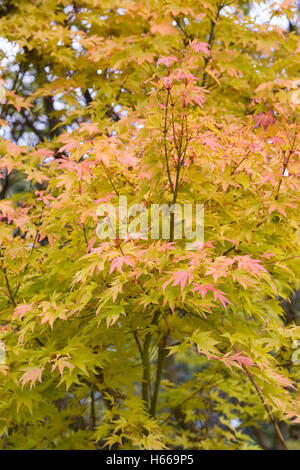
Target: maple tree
(137, 343)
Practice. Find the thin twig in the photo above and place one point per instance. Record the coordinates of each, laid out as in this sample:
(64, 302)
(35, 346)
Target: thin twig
(269, 412)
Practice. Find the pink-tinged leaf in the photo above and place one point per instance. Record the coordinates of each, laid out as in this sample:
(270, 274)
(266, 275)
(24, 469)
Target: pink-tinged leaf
(250, 265)
(242, 360)
(204, 288)
(264, 120)
(280, 379)
(183, 75)
(268, 175)
(13, 148)
(167, 81)
(20, 311)
(8, 211)
(128, 159)
(32, 376)
(201, 245)
(200, 47)
(162, 28)
(89, 127)
(70, 144)
(277, 140)
(219, 268)
(199, 99)
(166, 246)
(44, 197)
(280, 404)
(277, 206)
(90, 245)
(237, 360)
(62, 363)
(220, 295)
(118, 262)
(193, 95)
(268, 254)
(167, 61)
(209, 140)
(44, 153)
(182, 277)
(6, 163)
(104, 199)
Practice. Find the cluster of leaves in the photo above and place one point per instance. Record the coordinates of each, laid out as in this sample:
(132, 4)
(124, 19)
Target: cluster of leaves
(207, 112)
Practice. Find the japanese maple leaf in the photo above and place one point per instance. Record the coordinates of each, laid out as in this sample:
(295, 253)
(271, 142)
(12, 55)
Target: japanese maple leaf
(280, 207)
(201, 245)
(264, 120)
(165, 246)
(70, 144)
(162, 28)
(104, 151)
(243, 360)
(32, 375)
(104, 199)
(219, 268)
(237, 359)
(204, 288)
(61, 364)
(167, 61)
(45, 198)
(210, 141)
(200, 47)
(268, 175)
(91, 244)
(250, 265)
(20, 310)
(7, 164)
(89, 127)
(167, 81)
(118, 262)
(84, 168)
(128, 159)
(186, 77)
(81, 168)
(196, 95)
(179, 277)
(277, 140)
(182, 277)
(218, 294)
(7, 209)
(280, 379)
(44, 153)
(199, 99)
